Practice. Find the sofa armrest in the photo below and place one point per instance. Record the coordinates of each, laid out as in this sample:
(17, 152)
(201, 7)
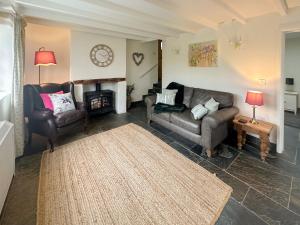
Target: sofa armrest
(214, 127)
(221, 116)
(43, 114)
(150, 100)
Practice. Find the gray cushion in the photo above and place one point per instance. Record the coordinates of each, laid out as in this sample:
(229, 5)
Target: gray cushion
(163, 116)
(201, 96)
(187, 96)
(186, 121)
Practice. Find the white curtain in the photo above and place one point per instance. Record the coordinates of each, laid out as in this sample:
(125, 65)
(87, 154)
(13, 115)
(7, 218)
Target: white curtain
(17, 91)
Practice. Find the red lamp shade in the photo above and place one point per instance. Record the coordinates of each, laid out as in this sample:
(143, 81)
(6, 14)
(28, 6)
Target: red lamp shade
(255, 98)
(44, 58)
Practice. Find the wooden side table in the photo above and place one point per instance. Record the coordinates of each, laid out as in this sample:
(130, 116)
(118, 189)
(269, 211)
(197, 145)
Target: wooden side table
(263, 129)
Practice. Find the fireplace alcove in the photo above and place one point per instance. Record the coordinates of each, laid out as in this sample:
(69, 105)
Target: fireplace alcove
(99, 101)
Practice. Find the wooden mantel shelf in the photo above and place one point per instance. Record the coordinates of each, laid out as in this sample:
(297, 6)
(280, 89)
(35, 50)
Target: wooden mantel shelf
(95, 81)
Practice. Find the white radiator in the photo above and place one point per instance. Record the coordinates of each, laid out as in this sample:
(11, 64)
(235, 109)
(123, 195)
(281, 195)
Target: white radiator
(7, 159)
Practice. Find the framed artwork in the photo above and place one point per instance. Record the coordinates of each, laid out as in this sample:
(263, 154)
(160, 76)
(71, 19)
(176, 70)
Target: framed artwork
(203, 54)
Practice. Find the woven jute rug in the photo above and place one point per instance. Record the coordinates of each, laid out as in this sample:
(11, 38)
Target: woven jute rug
(126, 176)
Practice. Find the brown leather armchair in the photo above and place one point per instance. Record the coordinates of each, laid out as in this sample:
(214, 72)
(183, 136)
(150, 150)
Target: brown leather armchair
(43, 122)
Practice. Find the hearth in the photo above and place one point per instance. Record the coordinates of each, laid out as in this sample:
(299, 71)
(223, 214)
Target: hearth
(99, 102)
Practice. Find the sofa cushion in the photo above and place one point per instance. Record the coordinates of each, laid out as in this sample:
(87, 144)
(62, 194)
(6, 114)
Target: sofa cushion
(66, 118)
(163, 116)
(201, 96)
(187, 96)
(186, 121)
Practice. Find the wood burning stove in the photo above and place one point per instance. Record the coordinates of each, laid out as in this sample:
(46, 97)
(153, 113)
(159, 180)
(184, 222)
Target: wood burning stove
(99, 102)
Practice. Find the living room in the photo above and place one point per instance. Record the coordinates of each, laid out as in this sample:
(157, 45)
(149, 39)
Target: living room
(161, 92)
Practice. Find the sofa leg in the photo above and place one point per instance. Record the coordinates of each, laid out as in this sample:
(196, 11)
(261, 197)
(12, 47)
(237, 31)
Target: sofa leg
(210, 152)
(51, 145)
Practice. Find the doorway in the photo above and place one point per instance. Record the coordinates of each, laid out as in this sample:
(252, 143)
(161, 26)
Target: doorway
(291, 92)
(159, 60)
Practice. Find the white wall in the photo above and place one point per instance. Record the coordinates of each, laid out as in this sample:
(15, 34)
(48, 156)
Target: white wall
(82, 68)
(53, 39)
(239, 69)
(292, 62)
(80, 64)
(134, 72)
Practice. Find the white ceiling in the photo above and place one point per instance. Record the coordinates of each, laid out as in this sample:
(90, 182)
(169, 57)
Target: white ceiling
(145, 19)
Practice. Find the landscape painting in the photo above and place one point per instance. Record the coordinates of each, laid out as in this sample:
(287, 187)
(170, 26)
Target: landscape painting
(204, 54)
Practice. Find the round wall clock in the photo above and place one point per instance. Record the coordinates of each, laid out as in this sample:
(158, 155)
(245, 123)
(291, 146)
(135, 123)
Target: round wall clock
(101, 55)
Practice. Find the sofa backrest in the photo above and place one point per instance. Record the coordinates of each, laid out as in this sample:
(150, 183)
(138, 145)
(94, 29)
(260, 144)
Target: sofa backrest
(201, 96)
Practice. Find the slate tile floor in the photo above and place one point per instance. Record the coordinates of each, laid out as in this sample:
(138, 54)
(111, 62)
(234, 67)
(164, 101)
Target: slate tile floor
(263, 192)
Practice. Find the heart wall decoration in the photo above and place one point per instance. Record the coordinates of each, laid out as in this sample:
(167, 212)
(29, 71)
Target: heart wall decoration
(138, 58)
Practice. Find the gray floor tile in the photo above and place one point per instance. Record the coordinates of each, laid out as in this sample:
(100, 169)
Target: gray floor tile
(236, 214)
(262, 177)
(270, 211)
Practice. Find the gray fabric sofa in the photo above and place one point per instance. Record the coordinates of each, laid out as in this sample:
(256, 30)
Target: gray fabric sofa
(211, 130)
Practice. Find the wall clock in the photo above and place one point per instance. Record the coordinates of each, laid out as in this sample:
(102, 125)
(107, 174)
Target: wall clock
(101, 55)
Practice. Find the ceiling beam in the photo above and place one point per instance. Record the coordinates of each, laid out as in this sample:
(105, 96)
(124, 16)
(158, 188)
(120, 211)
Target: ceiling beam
(76, 20)
(75, 27)
(99, 16)
(164, 12)
(235, 15)
(200, 20)
(281, 6)
(130, 10)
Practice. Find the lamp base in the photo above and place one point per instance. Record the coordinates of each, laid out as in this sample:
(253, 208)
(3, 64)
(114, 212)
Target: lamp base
(254, 121)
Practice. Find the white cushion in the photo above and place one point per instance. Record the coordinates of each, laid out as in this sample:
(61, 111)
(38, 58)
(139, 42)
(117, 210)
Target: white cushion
(168, 99)
(212, 105)
(169, 91)
(199, 111)
(62, 102)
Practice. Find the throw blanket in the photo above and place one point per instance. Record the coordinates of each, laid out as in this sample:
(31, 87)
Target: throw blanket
(160, 108)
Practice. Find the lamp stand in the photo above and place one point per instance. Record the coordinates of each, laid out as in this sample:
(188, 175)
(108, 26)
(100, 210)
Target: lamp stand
(253, 120)
(39, 74)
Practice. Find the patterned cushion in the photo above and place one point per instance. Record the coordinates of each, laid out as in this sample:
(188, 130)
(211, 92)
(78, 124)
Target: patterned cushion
(168, 99)
(62, 103)
(199, 111)
(47, 100)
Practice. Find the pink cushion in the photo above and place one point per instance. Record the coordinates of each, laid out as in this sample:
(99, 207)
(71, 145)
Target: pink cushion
(47, 100)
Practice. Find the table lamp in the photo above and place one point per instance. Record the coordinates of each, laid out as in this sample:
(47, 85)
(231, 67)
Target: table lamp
(44, 58)
(254, 98)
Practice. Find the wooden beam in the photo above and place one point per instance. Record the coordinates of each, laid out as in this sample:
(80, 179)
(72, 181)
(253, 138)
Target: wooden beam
(80, 28)
(99, 15)
(281, 6)
(162, 13)
(236, 15)
(76, 20)
(104, 80)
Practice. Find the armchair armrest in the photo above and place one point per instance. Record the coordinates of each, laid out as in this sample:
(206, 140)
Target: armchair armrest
(80, 106)
(43, 114)
(219, 117)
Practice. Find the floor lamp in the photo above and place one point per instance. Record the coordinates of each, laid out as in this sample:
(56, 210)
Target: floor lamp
(44, 58)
